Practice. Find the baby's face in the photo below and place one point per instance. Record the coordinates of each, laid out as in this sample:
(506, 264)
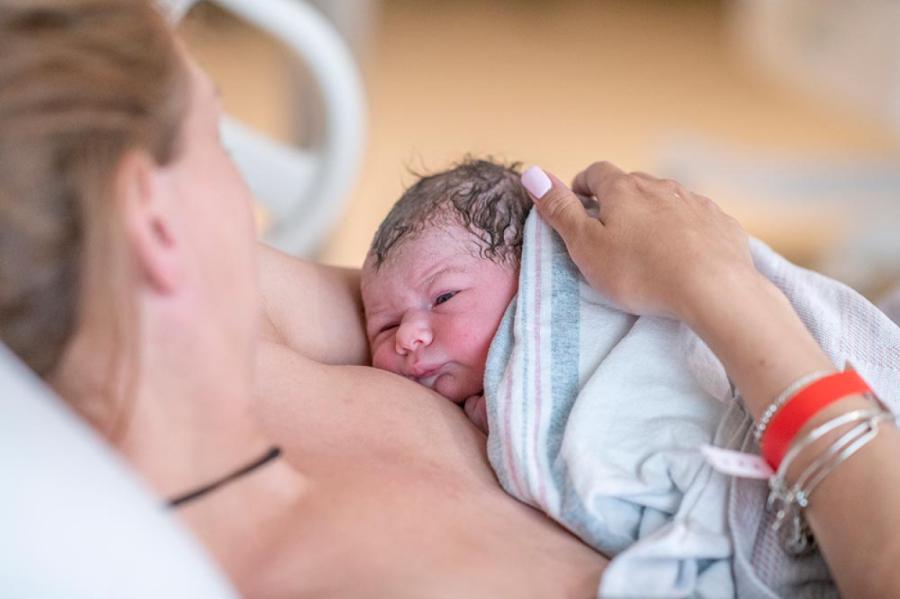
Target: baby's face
(433, 308)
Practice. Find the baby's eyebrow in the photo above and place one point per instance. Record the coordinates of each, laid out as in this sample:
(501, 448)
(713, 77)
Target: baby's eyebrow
(449, 269)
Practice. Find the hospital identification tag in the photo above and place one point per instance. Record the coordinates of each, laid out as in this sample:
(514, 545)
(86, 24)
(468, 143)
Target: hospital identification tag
(735, 463)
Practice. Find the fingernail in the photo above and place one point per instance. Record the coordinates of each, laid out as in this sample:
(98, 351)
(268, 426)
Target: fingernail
(536, 182)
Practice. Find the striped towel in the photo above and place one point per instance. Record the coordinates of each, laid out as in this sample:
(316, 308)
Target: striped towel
(596, 417)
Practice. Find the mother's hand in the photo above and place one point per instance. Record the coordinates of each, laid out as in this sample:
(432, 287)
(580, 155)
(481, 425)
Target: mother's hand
(654, 248)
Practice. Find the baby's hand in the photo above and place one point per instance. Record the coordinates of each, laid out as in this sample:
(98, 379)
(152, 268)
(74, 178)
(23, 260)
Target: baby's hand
(477, 412)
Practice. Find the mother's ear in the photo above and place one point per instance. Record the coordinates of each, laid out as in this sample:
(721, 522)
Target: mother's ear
(146, 203)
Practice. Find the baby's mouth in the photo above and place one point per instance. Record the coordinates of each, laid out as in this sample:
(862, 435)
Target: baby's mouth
(429, 378)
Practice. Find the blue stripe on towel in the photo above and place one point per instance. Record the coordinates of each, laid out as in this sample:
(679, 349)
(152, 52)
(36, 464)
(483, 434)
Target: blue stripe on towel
(564, 344)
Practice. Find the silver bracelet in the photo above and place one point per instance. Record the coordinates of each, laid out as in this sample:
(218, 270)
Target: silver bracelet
(827, 461)
(851, 447)
(783, 496)
(764, 420)
(798, 539)
(776, 483)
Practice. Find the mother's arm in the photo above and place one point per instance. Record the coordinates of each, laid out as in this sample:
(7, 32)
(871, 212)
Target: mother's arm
(312, 308)
(658, 248)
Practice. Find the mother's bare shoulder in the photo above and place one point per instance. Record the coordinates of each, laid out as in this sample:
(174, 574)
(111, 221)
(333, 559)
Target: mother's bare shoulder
(312, 308)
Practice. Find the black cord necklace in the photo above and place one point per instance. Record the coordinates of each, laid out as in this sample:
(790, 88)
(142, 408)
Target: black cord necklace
(271, 454)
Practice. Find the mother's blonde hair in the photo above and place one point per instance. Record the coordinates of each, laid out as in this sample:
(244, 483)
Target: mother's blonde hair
(82, 82)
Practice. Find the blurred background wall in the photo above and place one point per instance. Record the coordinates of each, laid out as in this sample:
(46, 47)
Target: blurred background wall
(786, 112)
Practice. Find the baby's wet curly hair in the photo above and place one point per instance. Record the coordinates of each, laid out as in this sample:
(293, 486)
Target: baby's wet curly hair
(481, 195)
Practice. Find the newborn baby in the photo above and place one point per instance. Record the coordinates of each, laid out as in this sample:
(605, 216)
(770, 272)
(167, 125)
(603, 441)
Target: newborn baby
(441, 272)
(450, 302)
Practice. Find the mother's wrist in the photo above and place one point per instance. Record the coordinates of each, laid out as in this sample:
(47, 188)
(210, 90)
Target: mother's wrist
(754, 331)
(702, 296)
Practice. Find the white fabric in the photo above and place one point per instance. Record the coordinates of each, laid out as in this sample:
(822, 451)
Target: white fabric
(596, 417)
(74, 521)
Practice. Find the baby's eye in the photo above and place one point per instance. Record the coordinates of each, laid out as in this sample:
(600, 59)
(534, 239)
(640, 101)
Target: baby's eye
(444, 297)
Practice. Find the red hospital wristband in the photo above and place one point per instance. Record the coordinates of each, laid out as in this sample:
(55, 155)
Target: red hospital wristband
(788, 421)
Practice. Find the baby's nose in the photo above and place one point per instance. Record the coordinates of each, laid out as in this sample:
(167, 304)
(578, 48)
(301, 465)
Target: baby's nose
(413, 334)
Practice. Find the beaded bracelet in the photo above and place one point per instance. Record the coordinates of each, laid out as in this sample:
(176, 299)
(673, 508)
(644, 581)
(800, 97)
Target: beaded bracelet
(764, 420)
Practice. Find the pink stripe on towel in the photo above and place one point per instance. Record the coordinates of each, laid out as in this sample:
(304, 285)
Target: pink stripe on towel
(538, 396)
(519, 488)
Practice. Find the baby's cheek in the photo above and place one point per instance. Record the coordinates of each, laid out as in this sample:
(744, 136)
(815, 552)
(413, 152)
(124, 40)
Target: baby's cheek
(475, 343)
(384, 360)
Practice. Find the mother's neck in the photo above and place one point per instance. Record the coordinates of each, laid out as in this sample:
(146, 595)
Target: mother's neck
(175, 398)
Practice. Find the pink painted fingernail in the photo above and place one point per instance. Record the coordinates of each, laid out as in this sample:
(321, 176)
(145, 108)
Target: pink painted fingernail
(536, 182)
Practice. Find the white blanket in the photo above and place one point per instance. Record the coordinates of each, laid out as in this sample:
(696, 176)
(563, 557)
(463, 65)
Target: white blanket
(596, 416)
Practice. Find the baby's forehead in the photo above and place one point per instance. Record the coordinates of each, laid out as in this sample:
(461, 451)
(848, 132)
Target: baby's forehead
(426, 247)
(418, 260)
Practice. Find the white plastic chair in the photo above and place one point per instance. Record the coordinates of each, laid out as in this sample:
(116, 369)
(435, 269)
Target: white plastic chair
(303, 189)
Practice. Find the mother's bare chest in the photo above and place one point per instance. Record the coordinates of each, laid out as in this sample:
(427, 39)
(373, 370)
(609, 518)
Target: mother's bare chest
(384, 534)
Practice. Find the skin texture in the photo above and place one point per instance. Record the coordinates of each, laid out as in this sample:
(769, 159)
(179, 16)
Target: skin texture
(668, 251)
(432, 310)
